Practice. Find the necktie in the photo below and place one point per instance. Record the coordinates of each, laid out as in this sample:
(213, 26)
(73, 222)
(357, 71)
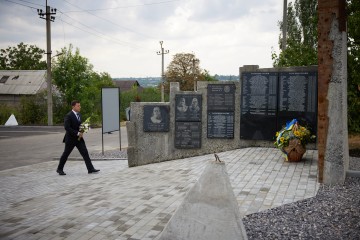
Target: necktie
(78, 117)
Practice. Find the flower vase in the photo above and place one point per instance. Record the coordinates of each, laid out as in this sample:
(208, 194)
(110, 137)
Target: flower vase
(294, 151)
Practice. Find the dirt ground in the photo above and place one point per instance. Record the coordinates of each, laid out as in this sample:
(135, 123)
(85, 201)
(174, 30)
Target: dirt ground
(354, 145)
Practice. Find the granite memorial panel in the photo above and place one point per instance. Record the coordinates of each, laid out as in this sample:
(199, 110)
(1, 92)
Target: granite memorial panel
(188, 107)
(220, 125)
(298, 99)
(258, 105)
(187, 135)
(221, 97)
(156, 118)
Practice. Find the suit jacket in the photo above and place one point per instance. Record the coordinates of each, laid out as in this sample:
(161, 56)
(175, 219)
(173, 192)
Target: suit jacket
(71, 125)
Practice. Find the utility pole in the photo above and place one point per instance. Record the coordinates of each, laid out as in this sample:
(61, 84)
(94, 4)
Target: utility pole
(47, 16)
(194, 61)
(283, 45)
(162, 53)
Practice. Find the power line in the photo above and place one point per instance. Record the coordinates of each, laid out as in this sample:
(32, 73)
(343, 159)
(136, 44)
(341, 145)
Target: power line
(32, 3)
(101, 35)
(123, 7)
(128, 29)
(21, 4)
(97, 33)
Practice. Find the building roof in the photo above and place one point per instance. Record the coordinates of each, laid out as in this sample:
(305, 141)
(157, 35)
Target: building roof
(22, 82)
(126, 85)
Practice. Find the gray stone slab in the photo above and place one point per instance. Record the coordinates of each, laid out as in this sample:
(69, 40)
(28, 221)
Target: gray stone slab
(209, 211)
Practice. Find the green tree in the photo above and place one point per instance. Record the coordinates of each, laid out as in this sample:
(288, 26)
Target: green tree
(5, 112)
(301, 48)
(185, 69)
(75, 78)
(301, 41)
(207, 77)
(149, 94)
(34, 109)
(22, 57)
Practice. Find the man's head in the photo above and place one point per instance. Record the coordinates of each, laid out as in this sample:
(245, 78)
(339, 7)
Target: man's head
(156, 112)
(76, 106)
(194, 102)
(182, 102)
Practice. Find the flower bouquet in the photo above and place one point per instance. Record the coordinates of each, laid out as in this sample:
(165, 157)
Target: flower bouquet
(292, 140)
(84, 127)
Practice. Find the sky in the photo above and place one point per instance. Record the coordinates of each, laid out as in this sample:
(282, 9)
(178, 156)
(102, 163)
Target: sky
(122, 37)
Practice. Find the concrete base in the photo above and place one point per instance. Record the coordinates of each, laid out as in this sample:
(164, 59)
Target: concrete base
(351, 173)
(209, 210)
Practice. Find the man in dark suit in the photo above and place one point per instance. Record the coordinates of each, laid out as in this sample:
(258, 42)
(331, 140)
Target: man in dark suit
(74, 138)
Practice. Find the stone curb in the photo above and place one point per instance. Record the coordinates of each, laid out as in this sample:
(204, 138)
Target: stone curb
(352, 173)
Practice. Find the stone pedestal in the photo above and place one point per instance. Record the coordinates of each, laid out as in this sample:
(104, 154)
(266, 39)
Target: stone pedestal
(209, 211)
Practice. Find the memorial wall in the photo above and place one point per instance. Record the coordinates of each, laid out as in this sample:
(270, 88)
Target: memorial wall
(222, 116)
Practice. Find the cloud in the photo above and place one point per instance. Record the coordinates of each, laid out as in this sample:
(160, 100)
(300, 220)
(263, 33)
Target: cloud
(122, 37)
(218, 10)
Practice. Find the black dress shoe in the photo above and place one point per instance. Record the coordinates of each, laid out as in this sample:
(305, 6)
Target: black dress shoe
(60, 172)
(93, 171)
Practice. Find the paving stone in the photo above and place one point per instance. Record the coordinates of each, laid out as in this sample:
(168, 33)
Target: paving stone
(136, 203)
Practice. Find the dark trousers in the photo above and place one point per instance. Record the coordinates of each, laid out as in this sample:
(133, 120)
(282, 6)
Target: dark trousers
(80, 145)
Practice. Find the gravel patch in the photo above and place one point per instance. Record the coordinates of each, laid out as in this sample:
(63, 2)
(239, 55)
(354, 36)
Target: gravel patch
(334, 213)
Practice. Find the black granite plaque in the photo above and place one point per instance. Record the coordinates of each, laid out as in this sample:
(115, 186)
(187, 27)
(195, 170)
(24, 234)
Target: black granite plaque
(258, 127)
(221, 97)
(220, 125)
(258, 106)
(298, 92)
(259, 93)
(308, 120)
(188, 107)
(187, 134)
(156, 118)
(298, 99)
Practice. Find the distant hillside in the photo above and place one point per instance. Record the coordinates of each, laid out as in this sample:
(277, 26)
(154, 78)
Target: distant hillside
(144, 82)
(226, 77)
(154, 81)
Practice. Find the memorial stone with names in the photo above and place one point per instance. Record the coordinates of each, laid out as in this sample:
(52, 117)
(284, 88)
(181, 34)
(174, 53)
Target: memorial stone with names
(188, 134)
(221, 97)
(220, 107)
(298, 98)
(220, 125)
(258, 105)
(188, 110)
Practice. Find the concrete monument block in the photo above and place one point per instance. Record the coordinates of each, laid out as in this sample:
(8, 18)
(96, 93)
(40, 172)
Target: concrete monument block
(209, 210)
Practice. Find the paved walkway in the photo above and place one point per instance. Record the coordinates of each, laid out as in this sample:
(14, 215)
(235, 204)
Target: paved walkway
(136, 203)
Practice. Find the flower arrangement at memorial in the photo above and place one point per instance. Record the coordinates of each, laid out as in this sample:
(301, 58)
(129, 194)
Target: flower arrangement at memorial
(84, 127)
(292, 140)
